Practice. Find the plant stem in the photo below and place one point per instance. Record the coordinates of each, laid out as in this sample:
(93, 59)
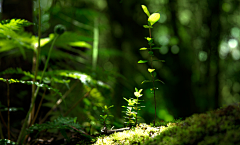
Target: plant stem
(36, 92)
(39, 106)
(36, 62)
(1, 133)
(8, 97)
(95, 44)
(153, 81)
(136, 111)
(4, 124)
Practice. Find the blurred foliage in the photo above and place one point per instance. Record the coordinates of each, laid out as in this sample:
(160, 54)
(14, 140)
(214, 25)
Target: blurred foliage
(199, 42)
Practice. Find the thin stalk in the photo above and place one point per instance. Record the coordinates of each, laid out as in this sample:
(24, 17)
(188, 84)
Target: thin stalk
(59, 102)
(8, 109)
(36, 92)
(77, 103)
(1, 133)
(36, 62)
(136, 112)
(95, 44)
(39, 106)
(153, 82)
(4, 124)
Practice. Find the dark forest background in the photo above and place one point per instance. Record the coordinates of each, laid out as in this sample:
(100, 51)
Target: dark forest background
(199, 42)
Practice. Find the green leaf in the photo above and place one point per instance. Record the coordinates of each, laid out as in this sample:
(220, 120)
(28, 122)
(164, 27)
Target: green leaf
(80, 44)
(59, 123)
(159, 60)
(148, 38)
(153, 18)
(142, 61)
(157, 80)
(31, 83)
(151, 70)
(7, 142)
(146, 26)
(150, 52)
(43, 41)
(146, 81)
(103, 117)
(145, 10)
(136, 89)
(156, 48)
(14, 24)
(143, 48)
(12, 109)
(105, 107)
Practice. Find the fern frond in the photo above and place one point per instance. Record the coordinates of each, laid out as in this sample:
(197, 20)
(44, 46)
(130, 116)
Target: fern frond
(84, 78)
(59, 123)
(13, 36)
(10, 81)
(14, 24)
(54, 75)
(30, 75)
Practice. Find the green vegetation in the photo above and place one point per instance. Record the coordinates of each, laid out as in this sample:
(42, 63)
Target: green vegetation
(105, 117)
(64, 73)
(133, 108)
(152, 19)
(215, 127)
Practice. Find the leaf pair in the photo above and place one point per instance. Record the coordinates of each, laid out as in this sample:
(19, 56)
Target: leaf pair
(152, 19)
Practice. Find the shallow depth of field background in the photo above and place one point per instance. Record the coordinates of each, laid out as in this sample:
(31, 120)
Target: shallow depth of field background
(199, 42)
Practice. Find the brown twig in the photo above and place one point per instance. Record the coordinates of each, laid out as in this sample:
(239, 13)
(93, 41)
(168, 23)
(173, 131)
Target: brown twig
(115, 130)
(5, 125)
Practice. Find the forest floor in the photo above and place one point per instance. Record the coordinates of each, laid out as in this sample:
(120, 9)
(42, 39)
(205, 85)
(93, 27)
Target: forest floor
(221, 126)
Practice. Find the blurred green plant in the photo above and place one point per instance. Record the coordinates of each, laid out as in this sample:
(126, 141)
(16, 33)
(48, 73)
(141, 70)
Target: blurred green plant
(152, 19)
(62, 124)
(133, 108)
(104, 118)
(14, 37)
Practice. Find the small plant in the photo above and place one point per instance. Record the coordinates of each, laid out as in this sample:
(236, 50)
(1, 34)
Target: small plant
(152, 19)
(133, 108)
(104, 117)
(62, 124)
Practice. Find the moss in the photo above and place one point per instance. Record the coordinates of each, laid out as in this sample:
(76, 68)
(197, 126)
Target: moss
(221, 126)
(136, 135)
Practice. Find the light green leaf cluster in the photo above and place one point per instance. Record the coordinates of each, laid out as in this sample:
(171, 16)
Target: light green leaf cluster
(138, 93)
(12, 35)
(152, 19)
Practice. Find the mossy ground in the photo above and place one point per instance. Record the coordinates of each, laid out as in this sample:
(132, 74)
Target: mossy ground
(221, 127)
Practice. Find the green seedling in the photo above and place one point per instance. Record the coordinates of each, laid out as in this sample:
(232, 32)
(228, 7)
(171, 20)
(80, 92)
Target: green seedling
(104, 117)
(152, 19)
(133, 108)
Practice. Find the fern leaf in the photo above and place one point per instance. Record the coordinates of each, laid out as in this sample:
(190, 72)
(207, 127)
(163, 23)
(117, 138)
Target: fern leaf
(14, 24)
(10, 81)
